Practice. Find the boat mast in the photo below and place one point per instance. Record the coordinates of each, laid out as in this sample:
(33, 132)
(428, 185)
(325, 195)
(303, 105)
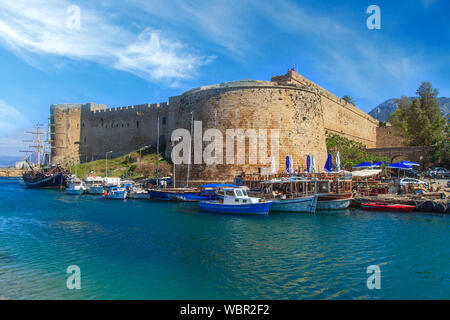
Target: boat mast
(190, 149)
(157, 152)
(38, 147)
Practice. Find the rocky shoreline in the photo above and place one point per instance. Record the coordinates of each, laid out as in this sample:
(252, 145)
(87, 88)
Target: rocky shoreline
(10, 172)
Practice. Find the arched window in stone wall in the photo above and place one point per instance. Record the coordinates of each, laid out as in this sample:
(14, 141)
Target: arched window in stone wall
(164, 121)
(137, 123)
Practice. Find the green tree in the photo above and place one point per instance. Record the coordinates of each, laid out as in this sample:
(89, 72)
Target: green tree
(348, 99)
(350, 151)
(420, 120)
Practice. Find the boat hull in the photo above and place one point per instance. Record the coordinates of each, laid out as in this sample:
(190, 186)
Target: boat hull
(159, 195)
(133, 195)
(304, 204)
(95, 190)
(333, 204)
(116, 196)
(260, 208)
(387, 208)
(55, 181)
(74, 191)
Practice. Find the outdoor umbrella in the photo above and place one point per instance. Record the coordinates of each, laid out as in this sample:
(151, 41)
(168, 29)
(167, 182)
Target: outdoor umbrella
(274, 168)
(329, 164)
(308, 163)
(409, 163)
(291, 165)
(313, 164)
(364, 165)
(378, 164)
(338, 162)
(399, 166)
(287, 164)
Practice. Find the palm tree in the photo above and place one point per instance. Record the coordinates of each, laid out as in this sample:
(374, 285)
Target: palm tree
(348, 99)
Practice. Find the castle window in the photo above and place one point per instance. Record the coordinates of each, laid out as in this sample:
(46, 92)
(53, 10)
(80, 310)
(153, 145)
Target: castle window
(83, 124)
(122, 125)
(164, 120)
(84, 139)
(137, 124)
(128, 124)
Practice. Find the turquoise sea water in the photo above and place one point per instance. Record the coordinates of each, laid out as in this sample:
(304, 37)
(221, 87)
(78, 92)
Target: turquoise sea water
(155, 250)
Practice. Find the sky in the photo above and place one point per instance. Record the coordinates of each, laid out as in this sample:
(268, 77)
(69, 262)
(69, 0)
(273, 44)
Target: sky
(129, 52)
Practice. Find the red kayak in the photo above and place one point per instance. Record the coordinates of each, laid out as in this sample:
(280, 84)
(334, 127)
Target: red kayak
(387, 207)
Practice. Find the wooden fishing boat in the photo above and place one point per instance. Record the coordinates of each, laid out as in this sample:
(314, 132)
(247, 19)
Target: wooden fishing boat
(334, 194)
(307, 204)
(373, 206)
(171, 194)
(288, 195)
(334, 201)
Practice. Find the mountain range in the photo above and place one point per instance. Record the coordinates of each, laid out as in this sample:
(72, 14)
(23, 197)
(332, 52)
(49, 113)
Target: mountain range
(382, 111)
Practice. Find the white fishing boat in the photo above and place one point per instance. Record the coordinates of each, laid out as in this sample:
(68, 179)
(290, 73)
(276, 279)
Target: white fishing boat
(94, 185)
(138, 193)
(135, 191)
(116, 193)
(75, 187)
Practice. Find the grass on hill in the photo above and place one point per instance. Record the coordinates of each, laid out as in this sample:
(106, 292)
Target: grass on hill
(127, 166)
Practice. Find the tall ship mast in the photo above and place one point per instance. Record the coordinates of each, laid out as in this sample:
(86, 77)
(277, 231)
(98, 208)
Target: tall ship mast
(46, 176)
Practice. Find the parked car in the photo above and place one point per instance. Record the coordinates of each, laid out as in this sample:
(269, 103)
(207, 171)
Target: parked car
(406, 181)
(438, 172)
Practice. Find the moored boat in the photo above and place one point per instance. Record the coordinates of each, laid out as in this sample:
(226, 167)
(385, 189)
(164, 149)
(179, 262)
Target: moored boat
(94, 185)
(387, 207)
(51, 177)
(135, 191)
(236, 201)
(334, 201)
(116, 193)
(305, 204)
(168, 194)
(75, 187)
(207, 192)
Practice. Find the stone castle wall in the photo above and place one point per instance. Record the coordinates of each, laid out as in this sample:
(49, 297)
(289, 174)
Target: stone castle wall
(302, 112)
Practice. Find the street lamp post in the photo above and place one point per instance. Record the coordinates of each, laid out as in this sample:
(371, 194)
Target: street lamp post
(107, 163)
(173, 175)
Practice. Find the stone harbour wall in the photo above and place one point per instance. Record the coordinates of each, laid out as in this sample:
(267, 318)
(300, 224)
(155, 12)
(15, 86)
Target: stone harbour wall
(300, 110)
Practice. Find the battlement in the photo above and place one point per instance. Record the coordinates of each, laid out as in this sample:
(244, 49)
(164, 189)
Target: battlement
(133, 108)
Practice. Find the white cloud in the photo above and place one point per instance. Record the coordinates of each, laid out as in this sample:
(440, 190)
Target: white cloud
(226, 23)
(10, 118)
(39, 27)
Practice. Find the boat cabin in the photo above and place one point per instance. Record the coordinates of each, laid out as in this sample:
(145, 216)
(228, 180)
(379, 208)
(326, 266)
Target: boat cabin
(237, 196)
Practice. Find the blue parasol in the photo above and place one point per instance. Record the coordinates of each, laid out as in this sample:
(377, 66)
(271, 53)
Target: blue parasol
(329, 164)
(287, 164)
(364, 165)
(308, 163)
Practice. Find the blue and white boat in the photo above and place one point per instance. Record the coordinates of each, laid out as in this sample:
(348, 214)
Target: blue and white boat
(236, 201)
(94, 184)
(116, 193)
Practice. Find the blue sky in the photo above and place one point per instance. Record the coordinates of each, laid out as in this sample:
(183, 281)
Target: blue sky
(139, 51)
